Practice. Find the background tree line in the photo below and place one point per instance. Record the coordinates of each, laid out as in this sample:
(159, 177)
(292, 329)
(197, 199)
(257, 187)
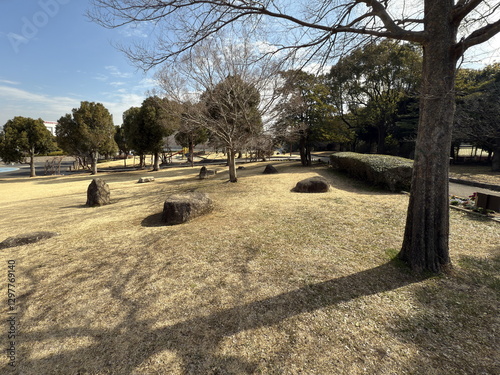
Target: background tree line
(367, 102)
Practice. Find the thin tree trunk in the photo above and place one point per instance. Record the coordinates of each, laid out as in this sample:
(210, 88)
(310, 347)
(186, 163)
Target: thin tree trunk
(495, 161)
(381, 134)
(32, 163)
(191, 153)
(303, 150)
(425, 244)
(93, 162)
(156, 163)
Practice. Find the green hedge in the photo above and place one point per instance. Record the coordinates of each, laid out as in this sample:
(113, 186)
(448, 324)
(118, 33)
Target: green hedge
(389, 172)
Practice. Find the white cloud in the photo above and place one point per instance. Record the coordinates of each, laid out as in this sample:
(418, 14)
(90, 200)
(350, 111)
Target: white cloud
(115, 72)
(122, 95)
(134, 31)
(101, 77)
(6, 81)
(18, 102)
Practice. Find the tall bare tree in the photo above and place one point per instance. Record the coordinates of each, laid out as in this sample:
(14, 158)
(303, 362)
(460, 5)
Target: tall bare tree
(446, 29)
(225, 78)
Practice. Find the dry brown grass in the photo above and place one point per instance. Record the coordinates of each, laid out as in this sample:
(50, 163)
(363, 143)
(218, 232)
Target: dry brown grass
(272, 282)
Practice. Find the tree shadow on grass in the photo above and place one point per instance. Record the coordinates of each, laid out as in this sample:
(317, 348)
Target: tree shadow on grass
(455, 321)
(124, 347)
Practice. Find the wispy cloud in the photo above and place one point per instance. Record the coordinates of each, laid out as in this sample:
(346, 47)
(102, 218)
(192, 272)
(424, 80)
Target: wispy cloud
(115, 72)
(101, 77)
(6, 81)
(134, 31)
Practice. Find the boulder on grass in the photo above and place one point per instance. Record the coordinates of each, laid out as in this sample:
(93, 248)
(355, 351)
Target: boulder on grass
(205, 172)
(145, 179)
(179, 208)
(315, 184)
(24, 239)
(98, 193)
(270, 169)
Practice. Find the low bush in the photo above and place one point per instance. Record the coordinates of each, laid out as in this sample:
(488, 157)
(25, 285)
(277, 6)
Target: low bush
(389, 172)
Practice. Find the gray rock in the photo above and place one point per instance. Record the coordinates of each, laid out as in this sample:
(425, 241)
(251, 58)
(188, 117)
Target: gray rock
(206, 173)
(146, 179)
(315, 184)
(179, 208)
(98, 193)
(24, 239)
(270, 169)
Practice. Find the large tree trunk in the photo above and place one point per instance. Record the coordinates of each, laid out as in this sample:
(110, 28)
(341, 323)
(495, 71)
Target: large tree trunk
(231, 156)
(425, 244)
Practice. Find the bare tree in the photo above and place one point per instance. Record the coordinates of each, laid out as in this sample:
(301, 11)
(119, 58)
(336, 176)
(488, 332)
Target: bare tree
(226, 79)
(445, 28)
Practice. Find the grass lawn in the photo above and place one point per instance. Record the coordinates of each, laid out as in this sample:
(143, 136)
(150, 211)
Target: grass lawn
(272, 282)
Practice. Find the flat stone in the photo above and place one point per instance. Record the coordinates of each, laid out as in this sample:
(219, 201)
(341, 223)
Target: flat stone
(146, 179)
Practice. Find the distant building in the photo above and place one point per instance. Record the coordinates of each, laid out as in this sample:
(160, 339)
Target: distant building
(51, 125)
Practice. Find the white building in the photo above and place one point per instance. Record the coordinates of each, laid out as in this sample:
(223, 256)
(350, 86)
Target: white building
(51, 125)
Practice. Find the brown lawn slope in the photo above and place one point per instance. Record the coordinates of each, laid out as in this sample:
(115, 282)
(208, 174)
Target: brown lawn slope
(272, 282)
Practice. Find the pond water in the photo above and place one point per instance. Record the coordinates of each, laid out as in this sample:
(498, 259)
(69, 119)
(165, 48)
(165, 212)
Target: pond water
(7, 169)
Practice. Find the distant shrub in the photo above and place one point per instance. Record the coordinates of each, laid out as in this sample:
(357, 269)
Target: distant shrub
(56, 153)
(389, 172)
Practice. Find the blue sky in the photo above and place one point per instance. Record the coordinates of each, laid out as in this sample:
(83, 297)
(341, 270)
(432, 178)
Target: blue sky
(52, 58)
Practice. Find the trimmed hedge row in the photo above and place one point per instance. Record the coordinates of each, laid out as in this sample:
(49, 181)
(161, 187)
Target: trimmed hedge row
(389, 172)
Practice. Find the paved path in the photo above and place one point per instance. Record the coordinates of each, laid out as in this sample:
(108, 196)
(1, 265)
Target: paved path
(464, 191)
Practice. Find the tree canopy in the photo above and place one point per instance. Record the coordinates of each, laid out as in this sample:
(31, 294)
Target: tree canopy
(306, 114)
(23, 138)
(87, 132)
(146, 127)
(232, 114)
(372, 81)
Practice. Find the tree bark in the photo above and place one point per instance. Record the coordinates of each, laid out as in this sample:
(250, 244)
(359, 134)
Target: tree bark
(32, 163)
(93, 162)
(495, 160)
(231, 156)
(305, 152)
(156, 163)
(425, 244)
(191, 152)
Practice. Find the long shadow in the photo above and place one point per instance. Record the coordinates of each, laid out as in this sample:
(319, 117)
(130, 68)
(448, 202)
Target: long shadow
(196, 340)
(460, 314)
